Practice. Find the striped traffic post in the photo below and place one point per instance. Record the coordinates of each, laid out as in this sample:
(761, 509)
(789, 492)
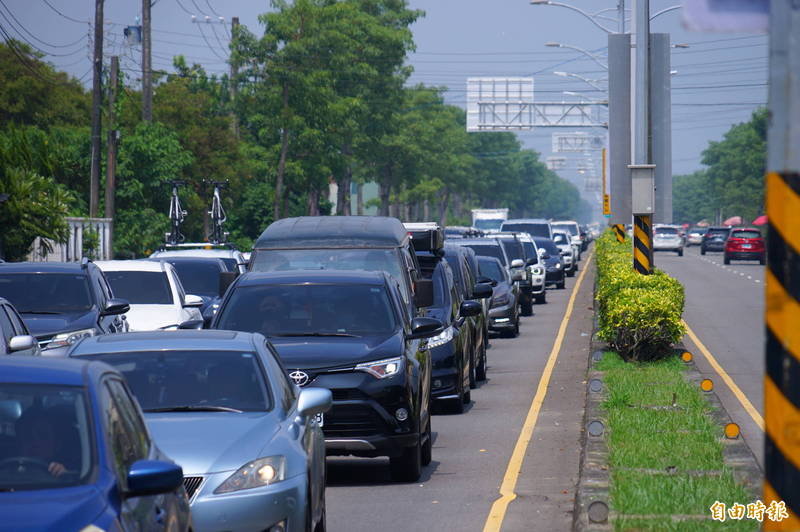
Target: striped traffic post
(619, 232)
(643, 244)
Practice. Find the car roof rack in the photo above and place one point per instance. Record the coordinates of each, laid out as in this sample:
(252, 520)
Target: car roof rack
(198, 245)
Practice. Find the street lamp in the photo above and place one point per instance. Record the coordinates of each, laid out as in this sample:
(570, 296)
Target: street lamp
(589, 16)
(592, 82)
(587, 53)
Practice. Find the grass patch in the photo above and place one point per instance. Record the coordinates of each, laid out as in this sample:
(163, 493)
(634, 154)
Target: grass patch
(659, 422)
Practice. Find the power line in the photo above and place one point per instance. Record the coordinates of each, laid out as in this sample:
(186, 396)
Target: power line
(24, 29)
(63, 15)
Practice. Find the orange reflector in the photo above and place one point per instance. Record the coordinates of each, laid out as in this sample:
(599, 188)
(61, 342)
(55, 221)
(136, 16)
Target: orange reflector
(706, 385)
(686, 356)
(732, 431)
(208, 247)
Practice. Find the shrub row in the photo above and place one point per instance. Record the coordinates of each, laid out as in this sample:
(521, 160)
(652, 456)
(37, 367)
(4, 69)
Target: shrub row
(640, 315)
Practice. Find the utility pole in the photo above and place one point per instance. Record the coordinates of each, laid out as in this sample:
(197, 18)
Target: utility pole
(642, 169)
(621, 15)
(234, 86)
(111, 147)
(781, 397)
(619, 126)
(97, 101)
(147, 67)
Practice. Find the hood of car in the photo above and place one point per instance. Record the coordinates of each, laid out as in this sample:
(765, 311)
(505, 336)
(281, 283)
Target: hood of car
(57, 509)
(209, 442)
(500, 289)
(326, 352)
(438, 313)
(151, 317)
(552, 261)
(49, 324)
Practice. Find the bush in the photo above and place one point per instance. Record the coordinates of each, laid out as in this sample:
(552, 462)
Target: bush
(640, 315)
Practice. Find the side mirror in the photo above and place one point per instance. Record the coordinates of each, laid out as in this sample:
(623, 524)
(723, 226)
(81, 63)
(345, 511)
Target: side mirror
(423, 293)
(313, 401)
(21, 343)
(192, 324)
(153, 477)
(471, 308)
(225, 280)
(517, 263)
(423, 327)
(192, 300)
(115, 306)
(531, 261)
(545, 255)
(483, 290)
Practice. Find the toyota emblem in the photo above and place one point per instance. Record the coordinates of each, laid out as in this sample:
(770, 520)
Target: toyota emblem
(300, 378)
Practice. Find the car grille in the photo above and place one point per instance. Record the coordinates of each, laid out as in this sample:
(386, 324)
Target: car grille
(348, 394)
(191, 484)
(350, 421)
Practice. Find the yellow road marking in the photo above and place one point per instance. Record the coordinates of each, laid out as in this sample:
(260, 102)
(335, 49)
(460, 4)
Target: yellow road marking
(500, 505)
(748, 406)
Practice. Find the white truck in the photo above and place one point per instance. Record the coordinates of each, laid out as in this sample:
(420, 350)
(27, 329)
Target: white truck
(489, 220)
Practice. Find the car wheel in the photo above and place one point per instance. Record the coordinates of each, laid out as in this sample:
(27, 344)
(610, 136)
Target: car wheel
(527, 306)
(726, 260)
(561, 284)
(480, 371)
(541, 298)
(457, 404)
(680, 252)
(571, 273)
(427, 448)
(408, 466)
(321, 524)
(702, 250)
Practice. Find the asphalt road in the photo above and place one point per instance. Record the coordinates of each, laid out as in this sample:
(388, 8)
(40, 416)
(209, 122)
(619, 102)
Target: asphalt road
(471, 451)
(725, 309)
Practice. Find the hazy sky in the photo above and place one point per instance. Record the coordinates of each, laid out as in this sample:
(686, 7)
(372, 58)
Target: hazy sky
(720, 77)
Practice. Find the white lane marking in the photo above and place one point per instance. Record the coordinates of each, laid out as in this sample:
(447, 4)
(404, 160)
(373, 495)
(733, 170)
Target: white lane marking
(749, 276)
(758, 280)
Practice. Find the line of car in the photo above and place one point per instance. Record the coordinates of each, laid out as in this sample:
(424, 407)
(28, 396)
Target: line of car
(735, 243)
(339, 336)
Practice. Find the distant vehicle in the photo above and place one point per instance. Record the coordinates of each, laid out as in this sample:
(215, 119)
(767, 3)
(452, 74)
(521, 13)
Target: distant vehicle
(551, 256)
(371, 243)
(569, 252)
(694, 236)
(745, 243)
(504, 312)
(220, 403)
(349, 332)
(62, 302)
(714, 239)
(535, 267)
(207, 277)
(76, 454)
(234, 260)
(667, 238)
(462, 231)
(519, 269)
(155, 293)
(578, 236)
(536, 227)
(489, 219)
(15, 339)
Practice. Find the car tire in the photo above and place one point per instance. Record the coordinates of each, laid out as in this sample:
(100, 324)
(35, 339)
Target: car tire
(702, 250)
(480, 371)
(427, 447)
(466, 398)
(457, 404)
(541, 298)
(561, 284)
(571, 273)
(680, 252)
(322, 523)
(408, 466)
(726, 260)
(526, 307)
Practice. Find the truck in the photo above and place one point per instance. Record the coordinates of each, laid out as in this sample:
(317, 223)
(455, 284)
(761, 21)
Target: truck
(489, 220)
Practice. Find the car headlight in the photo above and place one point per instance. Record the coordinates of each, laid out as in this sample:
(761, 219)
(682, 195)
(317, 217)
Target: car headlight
(69, 338)
(441, 338)
(381, 369)
(501, 300)
(558, 266)
(261, 472)
(538, 270)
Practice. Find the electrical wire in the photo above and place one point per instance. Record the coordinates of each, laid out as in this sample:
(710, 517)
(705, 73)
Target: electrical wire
(63, 15)
(34, 37)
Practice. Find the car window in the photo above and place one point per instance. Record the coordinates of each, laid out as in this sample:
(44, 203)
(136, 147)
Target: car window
(16, 321)
(309, 309)
(530, 252)
(492, 270)
(103, 289)
(120, 439)
(200, 277)
(46, 293)
(548, 246)
(533, 229)
(513, 249)
(6, 327)
(175, 380)
(489, 250)
(286, 389)
(141, 288)
(560, 239)
(746, 234)
(666, 231)
(134, 425)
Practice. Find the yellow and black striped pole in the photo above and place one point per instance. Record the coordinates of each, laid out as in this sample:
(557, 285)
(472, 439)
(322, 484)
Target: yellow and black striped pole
(619, 232)
(643, 244)
(782, 381)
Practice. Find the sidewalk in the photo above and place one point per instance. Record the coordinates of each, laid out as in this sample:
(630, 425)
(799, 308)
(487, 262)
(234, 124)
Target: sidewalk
(548, 480)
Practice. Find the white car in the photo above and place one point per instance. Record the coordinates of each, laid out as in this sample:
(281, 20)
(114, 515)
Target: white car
(155, 293)
(667, 238)
(569, 251)
(574, 230)
(233, 258)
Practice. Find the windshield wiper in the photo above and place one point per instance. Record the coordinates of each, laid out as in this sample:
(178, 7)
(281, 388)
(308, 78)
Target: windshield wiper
(193, 408)
(37, 312)
(320, 334)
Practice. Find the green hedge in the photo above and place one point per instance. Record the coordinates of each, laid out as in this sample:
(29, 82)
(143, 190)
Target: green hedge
(640, 315)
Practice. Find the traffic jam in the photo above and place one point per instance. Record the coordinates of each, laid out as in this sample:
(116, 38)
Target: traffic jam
(202, 388)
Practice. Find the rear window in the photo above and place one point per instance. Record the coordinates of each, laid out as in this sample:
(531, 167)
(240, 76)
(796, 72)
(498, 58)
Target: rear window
(533, 229)
(751, 233)
(141, 288)
(717, 232)
(666, 231)
(487, 250)
(513, 249)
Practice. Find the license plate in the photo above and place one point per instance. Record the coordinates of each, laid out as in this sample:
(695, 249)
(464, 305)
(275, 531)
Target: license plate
(746, 246)
(320, 419)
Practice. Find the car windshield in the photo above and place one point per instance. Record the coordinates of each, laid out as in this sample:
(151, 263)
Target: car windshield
(717, 232)
(193, 380)
(141, 288)
(200, 277)
(560, 239)
(310, 310)
(530, 252)
(666, 231)
(751, 233)
(697, 230)
(533, 229)
(45, 437)
(572, 228)
(513, 249)
(548, 246)
(488, 250)
(489, 224)
(46, 293)
(492, 270)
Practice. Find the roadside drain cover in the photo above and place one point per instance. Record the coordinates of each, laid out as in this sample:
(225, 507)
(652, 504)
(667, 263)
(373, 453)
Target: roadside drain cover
(595, 385)
(595, 428)
(598, 512)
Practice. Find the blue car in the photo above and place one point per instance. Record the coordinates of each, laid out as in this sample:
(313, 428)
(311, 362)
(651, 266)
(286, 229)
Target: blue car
(222, 405)
(75, 453)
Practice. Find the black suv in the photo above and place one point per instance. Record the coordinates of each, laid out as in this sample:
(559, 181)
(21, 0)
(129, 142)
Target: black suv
(714, 239)
(350, 332)
(62, 302)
